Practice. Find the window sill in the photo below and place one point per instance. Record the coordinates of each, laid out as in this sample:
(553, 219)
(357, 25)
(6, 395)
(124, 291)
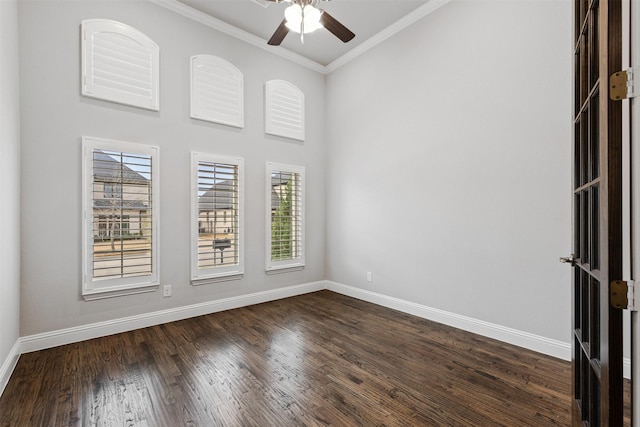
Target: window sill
(96, 294)
(216, 279)
(284, 269)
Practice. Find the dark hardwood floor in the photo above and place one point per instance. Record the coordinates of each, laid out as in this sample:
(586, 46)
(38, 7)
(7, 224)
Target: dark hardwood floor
(317, 359)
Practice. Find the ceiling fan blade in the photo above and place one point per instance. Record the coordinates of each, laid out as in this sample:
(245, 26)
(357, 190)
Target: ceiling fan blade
(279, 35)
(335, 27)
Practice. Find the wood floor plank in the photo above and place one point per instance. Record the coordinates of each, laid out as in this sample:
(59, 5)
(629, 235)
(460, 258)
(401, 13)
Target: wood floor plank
(320, 359)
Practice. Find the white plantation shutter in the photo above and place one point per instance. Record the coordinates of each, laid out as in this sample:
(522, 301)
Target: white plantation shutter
(285, 217)
(217, 93)
(284, 110)
(217, 218)
(119, 64)
(120, 206)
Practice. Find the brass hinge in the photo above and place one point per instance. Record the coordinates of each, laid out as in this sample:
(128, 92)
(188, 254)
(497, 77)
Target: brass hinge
(621, 85)
(622, 295)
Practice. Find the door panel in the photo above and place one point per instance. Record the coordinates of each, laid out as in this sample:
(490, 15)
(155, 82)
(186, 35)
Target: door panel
(597, 205)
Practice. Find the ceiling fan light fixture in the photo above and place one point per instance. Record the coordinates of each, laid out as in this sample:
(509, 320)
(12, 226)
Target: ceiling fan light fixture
(294, 13)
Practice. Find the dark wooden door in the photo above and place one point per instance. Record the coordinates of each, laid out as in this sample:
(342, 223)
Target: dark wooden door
(597, 221)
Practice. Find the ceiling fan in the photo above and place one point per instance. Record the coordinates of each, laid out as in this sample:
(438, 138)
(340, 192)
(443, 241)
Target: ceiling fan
(303, 17)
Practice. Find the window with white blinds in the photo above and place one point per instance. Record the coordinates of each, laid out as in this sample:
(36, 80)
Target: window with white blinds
(216, 218)
(120, 210)
(285, 217)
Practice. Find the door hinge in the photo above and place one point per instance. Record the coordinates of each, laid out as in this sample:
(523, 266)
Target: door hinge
(621, 85)
(622, 295)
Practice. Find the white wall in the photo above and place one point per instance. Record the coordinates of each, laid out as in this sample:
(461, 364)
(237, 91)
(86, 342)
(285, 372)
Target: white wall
(448, 166)
(55, 116)
(447, 171)
(9, 181)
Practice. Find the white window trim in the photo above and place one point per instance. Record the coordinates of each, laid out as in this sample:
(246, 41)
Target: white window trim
(203, 276)
(107, 288)
(271, 266)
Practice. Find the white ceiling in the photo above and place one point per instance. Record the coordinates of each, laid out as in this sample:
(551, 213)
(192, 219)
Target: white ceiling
(366, 18)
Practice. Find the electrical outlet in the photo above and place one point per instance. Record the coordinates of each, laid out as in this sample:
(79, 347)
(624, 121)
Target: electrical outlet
(369, 276)
(166, 291)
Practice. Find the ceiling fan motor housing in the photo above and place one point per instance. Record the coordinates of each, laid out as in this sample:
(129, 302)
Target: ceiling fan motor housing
(304, 17)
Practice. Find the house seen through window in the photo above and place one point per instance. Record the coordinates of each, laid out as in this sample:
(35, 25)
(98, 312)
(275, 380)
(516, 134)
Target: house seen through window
(122, 216)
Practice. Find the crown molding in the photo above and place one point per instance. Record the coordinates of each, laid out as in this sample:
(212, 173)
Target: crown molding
(210, 21)
(391, 30)
(217, 24)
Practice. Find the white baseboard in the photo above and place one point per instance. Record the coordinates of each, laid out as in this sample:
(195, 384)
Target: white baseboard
(46, 340)
(626, 368)
(95, 330)
(9, 365)
(526, 340)
(550, 347)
